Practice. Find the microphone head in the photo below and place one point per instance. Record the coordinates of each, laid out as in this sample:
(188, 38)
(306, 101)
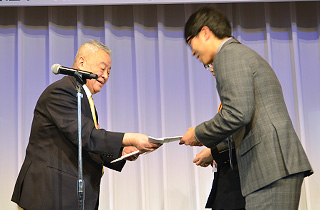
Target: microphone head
(55, 68)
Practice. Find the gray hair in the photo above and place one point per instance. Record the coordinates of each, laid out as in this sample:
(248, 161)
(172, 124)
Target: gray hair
(91, 47)
(98, 45)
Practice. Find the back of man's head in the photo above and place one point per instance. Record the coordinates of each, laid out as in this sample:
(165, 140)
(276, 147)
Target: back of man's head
(216, 21)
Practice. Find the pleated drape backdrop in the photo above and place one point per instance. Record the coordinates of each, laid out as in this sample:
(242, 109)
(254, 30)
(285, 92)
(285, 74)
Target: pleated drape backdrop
(156, 87)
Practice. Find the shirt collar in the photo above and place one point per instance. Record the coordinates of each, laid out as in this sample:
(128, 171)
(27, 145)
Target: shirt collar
(222, 43)
(87, 91)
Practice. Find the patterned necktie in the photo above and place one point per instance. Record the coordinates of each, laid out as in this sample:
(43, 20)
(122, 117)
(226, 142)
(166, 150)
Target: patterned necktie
(230, 141)
(93, 111)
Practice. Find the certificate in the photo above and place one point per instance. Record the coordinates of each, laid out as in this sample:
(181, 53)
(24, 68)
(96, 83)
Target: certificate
(153, 140)
(164, 139)
(125, 156)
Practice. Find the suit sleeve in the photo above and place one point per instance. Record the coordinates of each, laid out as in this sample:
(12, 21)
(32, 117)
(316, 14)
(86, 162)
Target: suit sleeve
(61, 104)
(236, 90)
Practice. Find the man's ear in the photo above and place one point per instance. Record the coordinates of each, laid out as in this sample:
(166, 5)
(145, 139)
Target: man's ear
(206, 32)
(81, 63)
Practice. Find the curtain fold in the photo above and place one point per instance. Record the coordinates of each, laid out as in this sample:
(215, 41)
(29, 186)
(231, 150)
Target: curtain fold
(156, 87)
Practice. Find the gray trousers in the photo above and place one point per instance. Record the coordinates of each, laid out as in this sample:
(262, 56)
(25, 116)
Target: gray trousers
(283, 194)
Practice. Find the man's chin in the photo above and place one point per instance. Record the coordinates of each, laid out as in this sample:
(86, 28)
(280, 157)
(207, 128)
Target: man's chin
(97, 90)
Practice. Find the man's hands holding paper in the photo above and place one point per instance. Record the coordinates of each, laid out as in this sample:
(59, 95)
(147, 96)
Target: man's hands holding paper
(189, 138)
(136, 144)
(128, 150)
(140, 141)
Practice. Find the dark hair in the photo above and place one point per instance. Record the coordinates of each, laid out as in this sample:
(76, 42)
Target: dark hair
(210, 17)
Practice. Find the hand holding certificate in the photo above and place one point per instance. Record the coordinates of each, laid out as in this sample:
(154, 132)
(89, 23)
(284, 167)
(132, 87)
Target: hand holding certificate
(152, 140)
(125, 156)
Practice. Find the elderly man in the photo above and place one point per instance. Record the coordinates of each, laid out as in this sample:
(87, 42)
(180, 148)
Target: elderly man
(48, 177)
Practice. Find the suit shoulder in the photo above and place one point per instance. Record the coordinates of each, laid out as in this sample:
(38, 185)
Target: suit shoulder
(66, 84)
(237, 48)
(239, 52)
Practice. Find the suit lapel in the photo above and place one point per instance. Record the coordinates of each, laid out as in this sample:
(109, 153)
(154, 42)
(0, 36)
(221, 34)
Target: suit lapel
(85, 106)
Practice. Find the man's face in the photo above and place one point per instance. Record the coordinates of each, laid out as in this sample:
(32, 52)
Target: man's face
(100, 64)
(200, 48)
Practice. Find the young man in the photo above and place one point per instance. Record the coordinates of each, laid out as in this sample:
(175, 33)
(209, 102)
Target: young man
(225, 192)
(48, 177)
(272, 163)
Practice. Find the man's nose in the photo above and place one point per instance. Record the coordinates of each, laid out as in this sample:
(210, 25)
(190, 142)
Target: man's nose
(105, 75)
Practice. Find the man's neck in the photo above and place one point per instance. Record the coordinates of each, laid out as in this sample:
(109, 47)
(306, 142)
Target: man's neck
(217, 44)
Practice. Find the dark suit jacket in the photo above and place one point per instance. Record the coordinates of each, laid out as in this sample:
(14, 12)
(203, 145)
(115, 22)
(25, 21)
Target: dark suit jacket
(255, 113)
(48, 177)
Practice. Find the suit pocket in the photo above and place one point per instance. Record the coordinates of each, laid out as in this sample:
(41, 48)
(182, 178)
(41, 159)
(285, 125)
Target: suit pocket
(61, 190)
(62, 168)
(248, 143)
(62, 171)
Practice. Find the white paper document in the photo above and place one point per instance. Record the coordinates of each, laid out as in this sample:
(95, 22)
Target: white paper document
(164, 139)
(153, 140)
(125, 156)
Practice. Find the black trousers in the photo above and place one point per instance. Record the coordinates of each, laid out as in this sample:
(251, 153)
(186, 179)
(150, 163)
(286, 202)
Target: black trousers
(226, 191)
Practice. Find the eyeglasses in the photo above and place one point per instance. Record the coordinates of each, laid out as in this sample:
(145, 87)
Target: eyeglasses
(189, 39)
(208, 67)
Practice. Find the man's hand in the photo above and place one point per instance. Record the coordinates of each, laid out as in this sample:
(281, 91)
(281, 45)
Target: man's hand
(140, 141)
(189, 138)
(204, 158)
(129, 149)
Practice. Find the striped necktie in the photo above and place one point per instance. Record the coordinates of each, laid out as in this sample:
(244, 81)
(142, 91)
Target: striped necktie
(93, 111)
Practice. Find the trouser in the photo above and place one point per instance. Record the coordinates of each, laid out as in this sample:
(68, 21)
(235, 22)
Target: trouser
(283, 194)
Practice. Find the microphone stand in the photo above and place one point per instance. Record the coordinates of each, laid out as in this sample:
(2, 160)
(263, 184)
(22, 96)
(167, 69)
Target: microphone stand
(80, 186)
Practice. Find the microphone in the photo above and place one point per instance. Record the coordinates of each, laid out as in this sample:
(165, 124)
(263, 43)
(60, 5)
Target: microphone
(58, 69)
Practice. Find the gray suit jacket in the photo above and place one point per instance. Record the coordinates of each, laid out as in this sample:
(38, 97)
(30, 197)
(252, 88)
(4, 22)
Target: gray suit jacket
(254, 112)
